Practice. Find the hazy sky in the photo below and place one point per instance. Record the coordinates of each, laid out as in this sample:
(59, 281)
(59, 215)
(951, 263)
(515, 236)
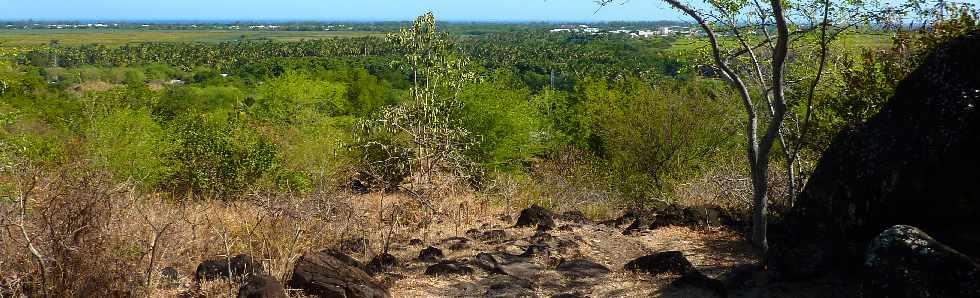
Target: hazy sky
(351, 10)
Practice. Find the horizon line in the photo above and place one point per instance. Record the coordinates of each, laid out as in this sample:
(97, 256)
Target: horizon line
(301, 20)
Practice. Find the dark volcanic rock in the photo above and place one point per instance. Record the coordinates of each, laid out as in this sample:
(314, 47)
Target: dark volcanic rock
(487, 262)
(664, 262)
(506, 287)
(575, 216)
(541, 238)
(744, 276)
(456, 243)
(448, 267)
(430, 254)
(169, 273)
(582, 268)
(322, 275)
(703, 216)
(261, 286)
(629, 216)
(515, 266)
(536, 215)
(359, 187)
(536, 250)
(699, 281)
(914, 163)
(240, 265)
(905, 262)
(381, 263)
(492, 236)
(346, 259)
(639, 224)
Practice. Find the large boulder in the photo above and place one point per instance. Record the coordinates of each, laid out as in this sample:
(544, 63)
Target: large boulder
(905, 262)
(915, 163)
(323, 275)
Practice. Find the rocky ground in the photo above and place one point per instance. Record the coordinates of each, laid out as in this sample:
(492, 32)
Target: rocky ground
(578, 258)
(542, 255)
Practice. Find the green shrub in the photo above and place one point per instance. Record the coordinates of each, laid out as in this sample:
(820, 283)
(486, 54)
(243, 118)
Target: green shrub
(130, 144)
(219, 156)
(282, 98)
(507, 121)
(314, 146)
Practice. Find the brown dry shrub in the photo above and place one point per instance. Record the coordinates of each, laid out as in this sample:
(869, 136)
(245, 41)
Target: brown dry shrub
(68, 218)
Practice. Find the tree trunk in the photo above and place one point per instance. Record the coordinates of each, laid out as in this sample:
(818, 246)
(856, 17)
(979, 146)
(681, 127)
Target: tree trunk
(760, 210)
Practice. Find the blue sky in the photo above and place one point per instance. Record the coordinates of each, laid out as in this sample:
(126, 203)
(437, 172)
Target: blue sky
(350, 10)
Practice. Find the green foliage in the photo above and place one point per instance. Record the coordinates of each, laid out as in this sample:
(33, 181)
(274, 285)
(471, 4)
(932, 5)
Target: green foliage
(653, 136)
(313, 148)
(190, 100)
(293, 94)
(426, 134)
(217, 155)
(507, 121)
(130, 144)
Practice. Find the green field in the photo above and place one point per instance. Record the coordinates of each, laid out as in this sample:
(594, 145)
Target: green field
(851, 41)
(36, 37)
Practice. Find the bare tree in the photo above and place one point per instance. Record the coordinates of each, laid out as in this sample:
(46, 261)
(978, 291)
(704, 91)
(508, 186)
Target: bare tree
(753, 58)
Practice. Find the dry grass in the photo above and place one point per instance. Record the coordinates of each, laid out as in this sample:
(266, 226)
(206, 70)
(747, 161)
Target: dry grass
(97, 238)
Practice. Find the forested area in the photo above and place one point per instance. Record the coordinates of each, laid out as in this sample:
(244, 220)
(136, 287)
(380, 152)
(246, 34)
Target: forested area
(257, 146)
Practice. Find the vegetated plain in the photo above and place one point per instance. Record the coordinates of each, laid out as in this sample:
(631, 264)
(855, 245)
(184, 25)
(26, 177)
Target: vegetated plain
(131, 156)
(113, 37)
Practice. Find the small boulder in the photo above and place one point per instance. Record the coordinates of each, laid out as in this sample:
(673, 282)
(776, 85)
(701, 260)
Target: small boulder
(703, 216)
(541, 238)
(487, 262)
(515, 266)
(170, 277)
(492, 236)
(639, 224)
(430, 254)
(456, 243)
(504, 286)
(261, 286)
(381, 263)
(169, 273)
(323, 275)
(536, 250)
(903, 261)
(536, 216)
(448, 267)
(358, 187)
(240, 265)
(664, 262)
(575, 216)
(582, 268)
